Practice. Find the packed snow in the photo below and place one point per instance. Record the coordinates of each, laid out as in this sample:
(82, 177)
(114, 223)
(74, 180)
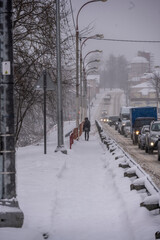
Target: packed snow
(81, 195)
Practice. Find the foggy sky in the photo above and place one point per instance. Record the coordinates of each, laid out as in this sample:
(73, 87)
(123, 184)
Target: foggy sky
(121, 19)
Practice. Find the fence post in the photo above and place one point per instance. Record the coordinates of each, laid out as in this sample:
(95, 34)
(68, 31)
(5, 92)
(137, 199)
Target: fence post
(71, 139)
(75, 133)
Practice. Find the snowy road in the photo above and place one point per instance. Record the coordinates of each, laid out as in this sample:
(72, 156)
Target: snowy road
(148, 162)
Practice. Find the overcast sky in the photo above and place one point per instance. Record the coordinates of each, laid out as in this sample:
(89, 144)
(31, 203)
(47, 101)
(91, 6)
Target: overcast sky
(122, 19)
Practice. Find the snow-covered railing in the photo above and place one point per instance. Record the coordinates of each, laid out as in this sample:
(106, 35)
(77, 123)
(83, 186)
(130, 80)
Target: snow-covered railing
(140, 180)
(75, 134)
(132, 169)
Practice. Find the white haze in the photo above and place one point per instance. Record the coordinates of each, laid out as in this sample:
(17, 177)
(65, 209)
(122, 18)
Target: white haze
(79, 196)
(122, 19)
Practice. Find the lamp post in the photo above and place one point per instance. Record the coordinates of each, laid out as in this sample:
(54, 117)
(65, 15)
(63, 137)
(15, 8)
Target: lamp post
(91, 70)
(84, 81)
(95, 60)
(94, 51)
(60, 146)
(85, 87)
(96, 36)
(77, 59)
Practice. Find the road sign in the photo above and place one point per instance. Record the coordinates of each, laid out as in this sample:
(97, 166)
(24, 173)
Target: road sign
(6, 68)
(49, 83)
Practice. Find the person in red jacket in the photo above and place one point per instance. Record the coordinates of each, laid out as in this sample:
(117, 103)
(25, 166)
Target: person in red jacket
(86, 128)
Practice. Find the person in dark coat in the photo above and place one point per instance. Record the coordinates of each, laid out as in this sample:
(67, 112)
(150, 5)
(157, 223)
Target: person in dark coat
(86, 128)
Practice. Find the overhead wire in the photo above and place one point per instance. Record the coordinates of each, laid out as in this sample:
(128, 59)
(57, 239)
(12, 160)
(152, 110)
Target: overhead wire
(130, 40)
(125, 40)
(74, 25)
(68, 30)
(72, 14)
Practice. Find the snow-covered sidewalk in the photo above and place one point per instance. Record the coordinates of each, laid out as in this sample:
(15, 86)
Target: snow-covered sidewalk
(94, 200)
(88, 204)
(79, 196)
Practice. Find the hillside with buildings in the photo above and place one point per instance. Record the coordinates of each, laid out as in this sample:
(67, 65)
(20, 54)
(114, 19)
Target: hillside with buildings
(143, 82)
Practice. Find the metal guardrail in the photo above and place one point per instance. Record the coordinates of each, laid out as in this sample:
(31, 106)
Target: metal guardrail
(154, 200)
(69, 133)
(1, 176)
(75, 134)
(100, 129)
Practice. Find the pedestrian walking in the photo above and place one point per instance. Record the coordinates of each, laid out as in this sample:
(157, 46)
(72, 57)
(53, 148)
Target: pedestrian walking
(86, 128)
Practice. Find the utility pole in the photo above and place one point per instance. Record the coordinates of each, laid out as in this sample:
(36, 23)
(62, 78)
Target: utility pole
(60, 146)
(13, 217)
(44, 110)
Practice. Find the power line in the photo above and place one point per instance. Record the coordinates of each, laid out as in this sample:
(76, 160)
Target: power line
(129, 40)
(126, 40)
(72, 14)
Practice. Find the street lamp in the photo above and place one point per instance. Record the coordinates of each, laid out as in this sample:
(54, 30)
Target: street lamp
(91, 70)
(84, 85)
(85, 74)
(60, 145)
(96, 60)
(98, 37)
(94, 51)
(77, 59)
(83, 99)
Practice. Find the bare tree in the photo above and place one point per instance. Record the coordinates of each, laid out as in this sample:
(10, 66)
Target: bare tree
(115, 74)
(156, 84)
(34, 50)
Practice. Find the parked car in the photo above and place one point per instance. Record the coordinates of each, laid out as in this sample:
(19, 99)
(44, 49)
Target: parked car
(127, 128)
(112, 120)
(152, 137)
(142, 137)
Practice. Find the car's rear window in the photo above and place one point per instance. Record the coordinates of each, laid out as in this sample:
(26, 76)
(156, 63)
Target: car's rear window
(155, 127)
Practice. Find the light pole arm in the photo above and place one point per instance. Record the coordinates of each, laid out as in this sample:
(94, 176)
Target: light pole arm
(77, 59)
(80, 11)
(98, 51)
(93, 61)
